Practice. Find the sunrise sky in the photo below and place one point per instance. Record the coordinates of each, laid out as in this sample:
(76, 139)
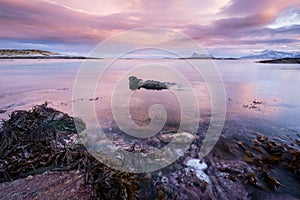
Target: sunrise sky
(223, 27)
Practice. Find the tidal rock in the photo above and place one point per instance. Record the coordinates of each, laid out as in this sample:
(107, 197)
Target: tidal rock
(136, 83)
(154, 85)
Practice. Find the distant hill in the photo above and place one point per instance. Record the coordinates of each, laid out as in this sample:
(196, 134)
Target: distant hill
(271, 54)
(34, 54)
(25, 52)
(201, 55)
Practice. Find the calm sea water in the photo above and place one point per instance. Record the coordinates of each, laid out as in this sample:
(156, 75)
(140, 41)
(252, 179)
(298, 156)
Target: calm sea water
(274, 87)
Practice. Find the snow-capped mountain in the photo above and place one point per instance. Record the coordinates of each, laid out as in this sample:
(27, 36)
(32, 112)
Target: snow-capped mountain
(270, 54)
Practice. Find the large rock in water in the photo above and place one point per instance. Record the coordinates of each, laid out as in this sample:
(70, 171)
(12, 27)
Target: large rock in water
(136, 83)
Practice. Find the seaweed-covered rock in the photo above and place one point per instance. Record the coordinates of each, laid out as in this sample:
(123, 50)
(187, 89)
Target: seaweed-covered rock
(44, 139)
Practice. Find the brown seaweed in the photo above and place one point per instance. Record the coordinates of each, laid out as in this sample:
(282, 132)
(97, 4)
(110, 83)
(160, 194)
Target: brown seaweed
(271, 182)
(267, 155)
(35, 141)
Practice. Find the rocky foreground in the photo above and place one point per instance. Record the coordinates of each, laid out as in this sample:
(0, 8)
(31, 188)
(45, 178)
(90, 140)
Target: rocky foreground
(41, 157)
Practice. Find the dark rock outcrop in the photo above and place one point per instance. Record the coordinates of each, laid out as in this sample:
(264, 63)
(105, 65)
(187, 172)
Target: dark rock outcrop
(282, 61)
(136, 83)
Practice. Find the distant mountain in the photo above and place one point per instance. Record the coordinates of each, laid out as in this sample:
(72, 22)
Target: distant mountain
(270, 54)
(201, 55)
(33, 54)
(25, 52)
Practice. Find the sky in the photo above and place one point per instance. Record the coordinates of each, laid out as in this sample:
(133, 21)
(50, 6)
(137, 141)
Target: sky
(229, 28)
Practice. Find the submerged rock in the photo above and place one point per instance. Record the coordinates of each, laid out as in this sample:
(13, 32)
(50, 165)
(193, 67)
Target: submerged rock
(136, 83)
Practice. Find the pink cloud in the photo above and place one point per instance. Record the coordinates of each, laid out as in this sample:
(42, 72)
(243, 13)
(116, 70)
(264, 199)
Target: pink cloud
(211, 22)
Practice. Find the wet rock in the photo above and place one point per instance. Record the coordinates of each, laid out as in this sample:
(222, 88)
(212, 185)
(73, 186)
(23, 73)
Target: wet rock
(181, 184)
(51, 185)
(154, 141)
(154, 85)
(94, 99)
(135, 83)
(234, 167)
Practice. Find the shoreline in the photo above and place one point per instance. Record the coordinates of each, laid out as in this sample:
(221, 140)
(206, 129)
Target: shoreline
(47, 57)
(281, 61)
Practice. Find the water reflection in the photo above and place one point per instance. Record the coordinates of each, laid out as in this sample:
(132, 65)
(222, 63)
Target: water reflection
(24, 83)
